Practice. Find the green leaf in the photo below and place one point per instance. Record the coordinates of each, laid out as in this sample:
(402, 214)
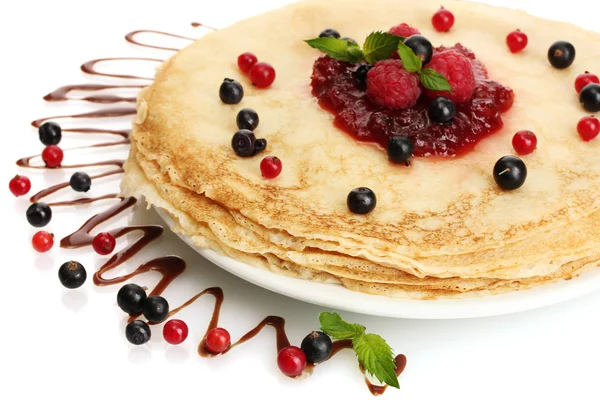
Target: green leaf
(333, 325)
(337, 49)
(380, 46)
(376, 357)
(433, 80)
(411, 62)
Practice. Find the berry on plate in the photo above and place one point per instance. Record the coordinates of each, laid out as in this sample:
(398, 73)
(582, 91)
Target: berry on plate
(524, 142)
(270, 167)
(291, 361)
(516, 41)
(155, 309)
(441, 110)
(588, 128)
(442, 20)
(131, 298)
(175, 331)
(39, 214)
(589, 97)
(19, 185)
(330, 33)
(245, 61)
(80, 182)
(458, 71)
(231, 91)
(403, 30)
(510, 172)
(317, 347)
(262, 75)
(104, 243)
(243, 143)
(400, 149)
(42, 241)
(561, 54)
(72, 274)
(138, 332)
(247, 118)
(52, 156)
(390, 85)
(361, 200)
(50, 133)
(421, 46)
(217, 340)
(585, 79)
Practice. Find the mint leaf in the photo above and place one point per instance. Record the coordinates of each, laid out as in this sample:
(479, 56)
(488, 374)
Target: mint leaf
(337, 49)
(376, 357)
(333, 325)
(433, 80)
(411, 62)
(380, 46)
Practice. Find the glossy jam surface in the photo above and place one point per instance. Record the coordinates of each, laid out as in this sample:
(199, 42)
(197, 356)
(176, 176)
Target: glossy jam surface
(337, 90)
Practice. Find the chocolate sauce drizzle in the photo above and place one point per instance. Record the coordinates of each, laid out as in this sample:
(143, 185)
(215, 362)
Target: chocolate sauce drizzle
(169, 267)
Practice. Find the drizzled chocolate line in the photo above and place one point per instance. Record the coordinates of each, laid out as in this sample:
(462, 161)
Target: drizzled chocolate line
(131, 38)
(169, 267)
(62, 93)
(90, 67)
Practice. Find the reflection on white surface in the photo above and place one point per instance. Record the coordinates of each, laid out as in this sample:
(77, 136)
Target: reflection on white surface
(140, 355)
(45, 262)
(74, 300)
(176, 354)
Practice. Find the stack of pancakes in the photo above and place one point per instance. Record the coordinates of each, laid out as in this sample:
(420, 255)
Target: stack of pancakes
(441, 228)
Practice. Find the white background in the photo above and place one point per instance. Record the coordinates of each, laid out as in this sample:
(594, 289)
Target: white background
(55, 342)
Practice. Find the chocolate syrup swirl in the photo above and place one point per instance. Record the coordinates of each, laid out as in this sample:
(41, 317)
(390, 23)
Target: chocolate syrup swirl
(131, 37)
(169, 267)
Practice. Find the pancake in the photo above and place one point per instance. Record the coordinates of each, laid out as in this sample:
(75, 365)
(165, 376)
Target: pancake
(441, 228)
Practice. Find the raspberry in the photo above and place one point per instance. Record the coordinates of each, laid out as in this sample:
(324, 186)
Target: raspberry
(390, 85)
(458, 70)
(404, 30)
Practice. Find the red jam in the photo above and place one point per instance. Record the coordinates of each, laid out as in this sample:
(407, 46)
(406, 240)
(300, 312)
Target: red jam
(338, 92)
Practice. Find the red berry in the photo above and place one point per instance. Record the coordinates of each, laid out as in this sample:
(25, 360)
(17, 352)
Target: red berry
(458, 70)
(403, 30)
(246, 61)
(52, 156)
(585, 79)
(516, 41)
(42, 241)
(390, 85)
(442, 20)
(104, 243)
(175, 331)
(270, 167)
(291, 361)
(19, 185)
(262, 75)
(524, 142)
(588, 128)
(217, 340)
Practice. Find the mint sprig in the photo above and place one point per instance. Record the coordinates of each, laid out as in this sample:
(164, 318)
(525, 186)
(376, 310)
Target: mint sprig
(337, 49)
(378, 46)
(373, 352)
(430, 78)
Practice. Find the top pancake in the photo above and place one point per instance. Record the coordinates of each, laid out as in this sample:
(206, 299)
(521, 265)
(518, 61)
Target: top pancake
(434, 208)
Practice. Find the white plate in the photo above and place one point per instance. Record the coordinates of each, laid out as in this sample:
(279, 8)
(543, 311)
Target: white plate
(340, 298)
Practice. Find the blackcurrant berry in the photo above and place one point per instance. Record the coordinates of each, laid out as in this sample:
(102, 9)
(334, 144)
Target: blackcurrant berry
(400, 149)
(80, 182)
(231, 91)
(39, 214)
(589, 97)
(330, 33)
(317, 346)
(138, 332)
(156, 309)
(243, 143)
(510, 172)
(360, 76)
(561, 54)
(361, 200)
(50, 133)
(247, 118)
(131, 298)
(72, 274)
(421, 46)
(441, 110)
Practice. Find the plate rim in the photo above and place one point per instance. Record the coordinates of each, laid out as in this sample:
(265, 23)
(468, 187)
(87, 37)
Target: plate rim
(340, 298)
